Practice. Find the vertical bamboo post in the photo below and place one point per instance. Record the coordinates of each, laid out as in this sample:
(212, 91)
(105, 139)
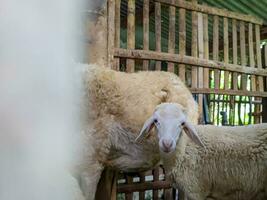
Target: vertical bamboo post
(206, 49)
(260, 78)
(142, 180)
(194, 49)
(129, 196)
(234, 30)
(158, 31)
(130, 34)
(243, 54)
(182, 41)
(171, 42)
(155, 178)
(111, 32)
(251, 55)
(116, 65)
(226, 51)
(146, 31)
(216, 50)
(200, 69)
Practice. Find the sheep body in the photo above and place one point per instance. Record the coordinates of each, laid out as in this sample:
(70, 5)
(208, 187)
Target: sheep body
(116, 105)
(232, 166)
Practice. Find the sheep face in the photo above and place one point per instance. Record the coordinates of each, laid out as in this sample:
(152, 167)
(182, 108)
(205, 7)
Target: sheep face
(169, 120)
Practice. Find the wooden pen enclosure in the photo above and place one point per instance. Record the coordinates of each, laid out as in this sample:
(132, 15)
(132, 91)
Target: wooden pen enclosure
(216, 52)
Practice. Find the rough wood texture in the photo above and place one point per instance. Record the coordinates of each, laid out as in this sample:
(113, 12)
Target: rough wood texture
(155, 179)
(234, 42)
(243, 54)
(251, 55)
(145, 31)
(116, 65)
(129, 180)
(226, 51)
(176, 58)
(212, 11)
(158, 31)
(206, 49)
(142, 180)
(216, 50)
(182, 41)
(258, 54)
(194, 49)
(171, 42)
(130, 33)
(111, 32)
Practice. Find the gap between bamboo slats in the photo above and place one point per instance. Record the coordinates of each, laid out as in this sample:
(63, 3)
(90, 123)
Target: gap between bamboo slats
(194, 49)
(216, 50)
(117, 31)
(158, 31)
(145, 31)
(171, 41)
(251, 55)
(130, 63)
(234, 42)
(206, 49)
(243, 54)
(200, 69)
(182, 41)
(226, 51)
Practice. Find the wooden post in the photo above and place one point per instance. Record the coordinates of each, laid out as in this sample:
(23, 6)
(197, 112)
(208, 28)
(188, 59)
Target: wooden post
(243, 54)
(116, 65)
(158, 31)
(129, 196)
(111, 32)
(155, 178)
(130, 34)
(206, 49)
(142, 180)
(194, 49)
(145, 31)
(182, 41)
(235, 75)
(171, 43)
(226, 51)
(251, 55)
(216, 50)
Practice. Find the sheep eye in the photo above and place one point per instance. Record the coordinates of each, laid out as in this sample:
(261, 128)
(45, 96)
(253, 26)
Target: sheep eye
(183, 123)
(156, 122)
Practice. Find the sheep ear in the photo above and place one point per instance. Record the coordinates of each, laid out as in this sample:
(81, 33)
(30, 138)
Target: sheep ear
(192, 134)
(148, 125)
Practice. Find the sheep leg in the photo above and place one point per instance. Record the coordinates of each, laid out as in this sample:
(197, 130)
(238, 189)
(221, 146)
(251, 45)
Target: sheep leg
(89, 180)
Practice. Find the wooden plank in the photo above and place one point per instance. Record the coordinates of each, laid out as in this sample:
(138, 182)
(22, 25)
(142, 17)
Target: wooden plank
(130, 33)
(188, 60)
(206, 49)
(226, 51)
(234, 42)
(258, 57)
(171, 41)
(158, 31)
(155, 178)
(212, 11)
(227, 92)
(182, 41)
(216, 50)
(142, 180)
(194, 45)
(111, 32)
(200, 69)
(129, 195)
(243, 54)
(251, 55)
(134, 187)
(116, 65)
(145, 31)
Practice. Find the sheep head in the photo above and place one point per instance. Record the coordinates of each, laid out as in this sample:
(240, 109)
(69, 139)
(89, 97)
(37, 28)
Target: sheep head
(169, 120)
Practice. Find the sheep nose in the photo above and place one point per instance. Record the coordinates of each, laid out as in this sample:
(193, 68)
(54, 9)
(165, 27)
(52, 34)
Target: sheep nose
(167, 144)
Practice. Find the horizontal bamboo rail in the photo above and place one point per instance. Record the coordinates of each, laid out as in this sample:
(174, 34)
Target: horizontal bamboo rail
(176, 58)
(228, 92)
(212, 11)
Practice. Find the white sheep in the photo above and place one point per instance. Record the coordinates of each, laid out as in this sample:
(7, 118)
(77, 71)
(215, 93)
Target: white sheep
(223, 163)
(116, 105)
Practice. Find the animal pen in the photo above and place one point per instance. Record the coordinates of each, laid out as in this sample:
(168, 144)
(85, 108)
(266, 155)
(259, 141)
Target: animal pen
(218, 54)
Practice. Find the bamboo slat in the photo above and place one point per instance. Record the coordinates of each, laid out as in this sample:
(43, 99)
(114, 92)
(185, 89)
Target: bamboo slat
(194, 49)
(226, 51)
(158, 31)
(212, 11)
(117, 31)
(258, 56)
(145, 31)
(234, 42)
(243, 54)
(142, 180)
(206, 49)
(216, 50)
(182, 41)
(171, 42)
(130, 33)
(111, 32)
(155, 178)
(129, 196)
(251, 55)
(176, 58)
